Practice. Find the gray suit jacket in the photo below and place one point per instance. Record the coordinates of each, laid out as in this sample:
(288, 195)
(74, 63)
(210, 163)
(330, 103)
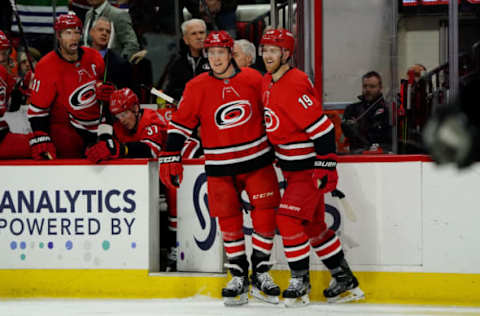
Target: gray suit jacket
(125, 41)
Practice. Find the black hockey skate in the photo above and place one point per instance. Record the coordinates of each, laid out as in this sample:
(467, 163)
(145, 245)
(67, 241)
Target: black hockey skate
(236, 291)
(343, 286)
(297, 292)
(264, 288)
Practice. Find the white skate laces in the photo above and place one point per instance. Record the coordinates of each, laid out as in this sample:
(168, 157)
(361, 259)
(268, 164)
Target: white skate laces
(264, 288)
(346, 292)
(297, 292)
(236, 291)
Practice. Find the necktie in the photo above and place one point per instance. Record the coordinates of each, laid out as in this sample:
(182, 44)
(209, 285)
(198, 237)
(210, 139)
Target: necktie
(92, 21)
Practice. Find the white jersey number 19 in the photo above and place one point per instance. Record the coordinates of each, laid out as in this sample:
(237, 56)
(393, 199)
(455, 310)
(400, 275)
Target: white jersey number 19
(305, 101)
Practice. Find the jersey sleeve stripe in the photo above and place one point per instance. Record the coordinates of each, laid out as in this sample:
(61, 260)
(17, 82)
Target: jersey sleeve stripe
(34, 111)
(151, 143)
(322, 132)
(295, 157)
(291, 146)
(310, 129)
(180, 129)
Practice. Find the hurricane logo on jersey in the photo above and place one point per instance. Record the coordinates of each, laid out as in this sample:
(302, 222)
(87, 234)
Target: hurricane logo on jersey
(83, 97)
(272, 122)
(233, 114)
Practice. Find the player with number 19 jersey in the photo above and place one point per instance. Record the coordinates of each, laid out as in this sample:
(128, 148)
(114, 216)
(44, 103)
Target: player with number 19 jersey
(294, 119)
(65, 92)
(231, 114)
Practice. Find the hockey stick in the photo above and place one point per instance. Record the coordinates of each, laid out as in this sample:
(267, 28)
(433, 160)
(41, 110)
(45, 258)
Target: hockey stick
(22, 34)
(345, 204)
(163, 96)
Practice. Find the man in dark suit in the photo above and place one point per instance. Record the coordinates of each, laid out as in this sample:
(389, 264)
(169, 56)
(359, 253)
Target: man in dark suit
(124, 39)
(117, 70)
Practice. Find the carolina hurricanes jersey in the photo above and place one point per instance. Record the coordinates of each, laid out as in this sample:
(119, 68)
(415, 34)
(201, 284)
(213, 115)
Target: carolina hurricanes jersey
(230, 115)
(151, 130)
(65, 91)
(6, 84)
(294, 119)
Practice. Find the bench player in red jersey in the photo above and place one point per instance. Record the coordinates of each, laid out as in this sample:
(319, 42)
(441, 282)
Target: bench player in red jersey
(65, 112)
(137, 133)
(12, 145)
(304, 142)
(226, 103)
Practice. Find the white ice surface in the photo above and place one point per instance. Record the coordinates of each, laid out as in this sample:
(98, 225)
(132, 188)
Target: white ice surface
(200, 306)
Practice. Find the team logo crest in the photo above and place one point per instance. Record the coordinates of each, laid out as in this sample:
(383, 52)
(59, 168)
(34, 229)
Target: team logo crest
(83, 97)
(272, 122)
(233, 114)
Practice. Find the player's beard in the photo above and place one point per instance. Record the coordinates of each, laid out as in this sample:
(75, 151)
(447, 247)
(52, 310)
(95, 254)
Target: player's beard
(70, 50)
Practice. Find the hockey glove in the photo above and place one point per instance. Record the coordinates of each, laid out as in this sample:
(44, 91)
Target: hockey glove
(171, 169)
(103, 150)
(42, 146)
(106, 148)
(325, 174)
(104, 90)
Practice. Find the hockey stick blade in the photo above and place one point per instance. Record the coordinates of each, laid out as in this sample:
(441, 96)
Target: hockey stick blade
(163, 96)
(345, 205)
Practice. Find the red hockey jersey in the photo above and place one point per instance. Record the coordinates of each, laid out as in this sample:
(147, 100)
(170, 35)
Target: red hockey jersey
(6, 85)
(230, 115)
(65, 91)
(151, 130)
(294, 119)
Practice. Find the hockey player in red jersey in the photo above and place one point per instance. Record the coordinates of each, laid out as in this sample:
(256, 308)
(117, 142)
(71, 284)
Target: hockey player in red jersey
(304, 142)
(138, 133)
(12, 145)
(64, 112)
(226, 103)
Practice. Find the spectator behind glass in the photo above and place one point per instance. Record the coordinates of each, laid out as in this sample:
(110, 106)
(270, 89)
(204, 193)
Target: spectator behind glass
(218, 14)
(365, 124)
(416, 71)
(125, 40)
(117, 69)
(244, 53)
(191, 63)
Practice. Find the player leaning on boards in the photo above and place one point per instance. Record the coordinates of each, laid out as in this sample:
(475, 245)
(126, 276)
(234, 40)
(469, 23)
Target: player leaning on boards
(136, 132)
(226, 102)
(304, 142)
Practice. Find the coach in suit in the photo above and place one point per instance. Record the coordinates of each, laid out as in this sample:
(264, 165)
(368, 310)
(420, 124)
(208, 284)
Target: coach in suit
(125, 41)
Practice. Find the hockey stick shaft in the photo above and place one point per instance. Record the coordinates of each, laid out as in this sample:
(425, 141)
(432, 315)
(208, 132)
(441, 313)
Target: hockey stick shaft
(22, 34)
(163, 96)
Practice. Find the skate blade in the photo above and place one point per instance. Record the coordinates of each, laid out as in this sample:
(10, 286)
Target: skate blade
(297, 302)
(236, 301)
(352, 295)
(263, 297)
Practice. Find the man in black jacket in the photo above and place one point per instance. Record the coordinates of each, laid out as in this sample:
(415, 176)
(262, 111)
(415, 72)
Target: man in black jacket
(118, 70)
(366, 124)
(190, 63)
